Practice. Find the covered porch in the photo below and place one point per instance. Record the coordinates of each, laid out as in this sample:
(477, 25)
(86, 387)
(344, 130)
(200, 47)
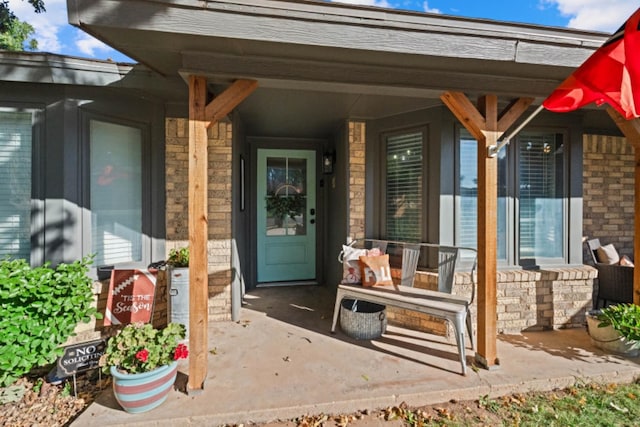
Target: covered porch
(279, 361)
(297, 70)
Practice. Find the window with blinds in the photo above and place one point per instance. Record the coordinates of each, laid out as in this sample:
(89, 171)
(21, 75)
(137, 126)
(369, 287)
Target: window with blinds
(15, 184)
(116, 192)
(467, 197)
(404, 184)
(541, 195)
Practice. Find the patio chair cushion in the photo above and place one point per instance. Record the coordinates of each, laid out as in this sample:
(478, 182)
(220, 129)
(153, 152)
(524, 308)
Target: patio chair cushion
(375, 270)
(608, 254)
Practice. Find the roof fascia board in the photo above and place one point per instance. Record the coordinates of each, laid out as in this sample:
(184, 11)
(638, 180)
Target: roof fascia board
(57, 69)
(377, 16)
(49, 68)
(318, 75)
(424, 35)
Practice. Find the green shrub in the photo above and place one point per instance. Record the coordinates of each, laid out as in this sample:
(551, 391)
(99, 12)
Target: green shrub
(625, 318)
(39, 310)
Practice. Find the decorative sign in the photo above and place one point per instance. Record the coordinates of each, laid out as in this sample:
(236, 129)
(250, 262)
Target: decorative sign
(80, 357)
(131, 296)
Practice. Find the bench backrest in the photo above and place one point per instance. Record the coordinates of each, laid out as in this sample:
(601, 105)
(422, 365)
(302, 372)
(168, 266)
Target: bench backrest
(447, 260)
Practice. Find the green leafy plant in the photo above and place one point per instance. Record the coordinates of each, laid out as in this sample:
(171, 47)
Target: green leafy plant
(625, 318)
(39, 310)
(179, 257)
(140, 348)
(290, 205)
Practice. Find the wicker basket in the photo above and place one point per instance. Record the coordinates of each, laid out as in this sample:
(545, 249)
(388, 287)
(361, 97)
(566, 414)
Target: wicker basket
(363, 320)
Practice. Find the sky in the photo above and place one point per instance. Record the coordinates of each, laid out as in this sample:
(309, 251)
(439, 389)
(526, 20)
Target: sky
(55, 35)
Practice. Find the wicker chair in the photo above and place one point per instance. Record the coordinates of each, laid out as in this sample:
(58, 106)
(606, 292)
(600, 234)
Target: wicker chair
(615, 282)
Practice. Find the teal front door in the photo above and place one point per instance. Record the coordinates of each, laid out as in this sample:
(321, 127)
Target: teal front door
(286, 215)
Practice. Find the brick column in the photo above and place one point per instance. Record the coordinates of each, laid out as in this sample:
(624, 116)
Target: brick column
(357, 145)
(219, 213)
(608, 191)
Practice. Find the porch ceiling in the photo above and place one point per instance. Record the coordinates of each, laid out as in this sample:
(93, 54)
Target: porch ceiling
(323, 61)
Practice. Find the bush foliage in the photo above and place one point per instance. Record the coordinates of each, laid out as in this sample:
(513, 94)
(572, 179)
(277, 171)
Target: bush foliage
(625, 318)
(39, 310)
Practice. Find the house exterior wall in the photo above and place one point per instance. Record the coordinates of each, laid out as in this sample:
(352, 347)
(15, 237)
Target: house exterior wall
(219, 202)
(608, 197)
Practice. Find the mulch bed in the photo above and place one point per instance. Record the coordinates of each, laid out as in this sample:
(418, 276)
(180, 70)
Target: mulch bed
(44, 404)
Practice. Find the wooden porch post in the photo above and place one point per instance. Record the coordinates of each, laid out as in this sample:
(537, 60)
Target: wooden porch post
(198, 263)
(486, 127)
(201, 117)
(631, 130)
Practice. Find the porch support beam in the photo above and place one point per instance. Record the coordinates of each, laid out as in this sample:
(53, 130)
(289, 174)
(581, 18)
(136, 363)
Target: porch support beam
(198, 263)
(487, 127)
(201, 117)
(631, 130)
(229, 99)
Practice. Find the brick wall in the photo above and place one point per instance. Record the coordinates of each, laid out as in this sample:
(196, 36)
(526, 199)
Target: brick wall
(357, 145)
(547, 299)
(219, 203)
(608, 192)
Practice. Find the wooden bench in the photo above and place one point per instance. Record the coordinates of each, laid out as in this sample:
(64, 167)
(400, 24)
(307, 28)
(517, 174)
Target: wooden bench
(442, 303)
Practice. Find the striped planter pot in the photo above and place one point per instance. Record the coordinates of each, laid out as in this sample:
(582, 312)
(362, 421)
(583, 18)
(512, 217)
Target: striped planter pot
(142, 392)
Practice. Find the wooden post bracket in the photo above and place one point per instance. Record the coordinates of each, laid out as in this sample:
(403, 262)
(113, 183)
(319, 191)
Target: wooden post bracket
(486, 126)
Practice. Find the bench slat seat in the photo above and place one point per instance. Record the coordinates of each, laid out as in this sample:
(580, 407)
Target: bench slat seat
(437, 304)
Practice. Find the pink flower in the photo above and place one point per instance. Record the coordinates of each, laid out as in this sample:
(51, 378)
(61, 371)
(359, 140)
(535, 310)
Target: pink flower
(142, 355)
(181, 352)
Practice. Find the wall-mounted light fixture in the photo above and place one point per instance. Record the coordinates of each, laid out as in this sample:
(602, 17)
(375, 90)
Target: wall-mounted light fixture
(328, 160)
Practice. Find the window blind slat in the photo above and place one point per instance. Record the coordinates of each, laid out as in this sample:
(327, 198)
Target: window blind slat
(15, 184)
(404, 187)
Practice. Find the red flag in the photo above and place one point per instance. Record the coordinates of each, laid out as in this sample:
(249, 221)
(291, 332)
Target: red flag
(611, 75)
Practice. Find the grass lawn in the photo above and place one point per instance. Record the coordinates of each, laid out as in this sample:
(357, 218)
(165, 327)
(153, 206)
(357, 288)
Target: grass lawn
(580, 405)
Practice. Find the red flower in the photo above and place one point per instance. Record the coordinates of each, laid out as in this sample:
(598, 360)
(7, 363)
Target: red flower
(181, 352)
(142, 355)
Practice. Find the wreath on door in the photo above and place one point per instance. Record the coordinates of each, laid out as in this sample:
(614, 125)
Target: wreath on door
(290, 204)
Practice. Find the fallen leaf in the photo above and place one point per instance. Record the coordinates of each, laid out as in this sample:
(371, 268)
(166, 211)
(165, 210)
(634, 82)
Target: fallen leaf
(286, 359)
(618, 408)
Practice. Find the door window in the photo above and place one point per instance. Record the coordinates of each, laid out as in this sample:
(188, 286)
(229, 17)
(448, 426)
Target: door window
(286, 196)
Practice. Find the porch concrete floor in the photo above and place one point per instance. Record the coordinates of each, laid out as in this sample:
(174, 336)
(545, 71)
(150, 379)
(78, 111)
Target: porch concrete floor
(280, 361)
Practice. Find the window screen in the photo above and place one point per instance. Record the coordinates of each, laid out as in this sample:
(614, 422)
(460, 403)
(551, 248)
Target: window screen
(404, 187)
(116, 193)
(15, 184)
(541, 195)
(467, 203)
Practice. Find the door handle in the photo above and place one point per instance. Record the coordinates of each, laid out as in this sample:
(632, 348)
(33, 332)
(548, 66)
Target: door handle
(312, 211)
(313, 221)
